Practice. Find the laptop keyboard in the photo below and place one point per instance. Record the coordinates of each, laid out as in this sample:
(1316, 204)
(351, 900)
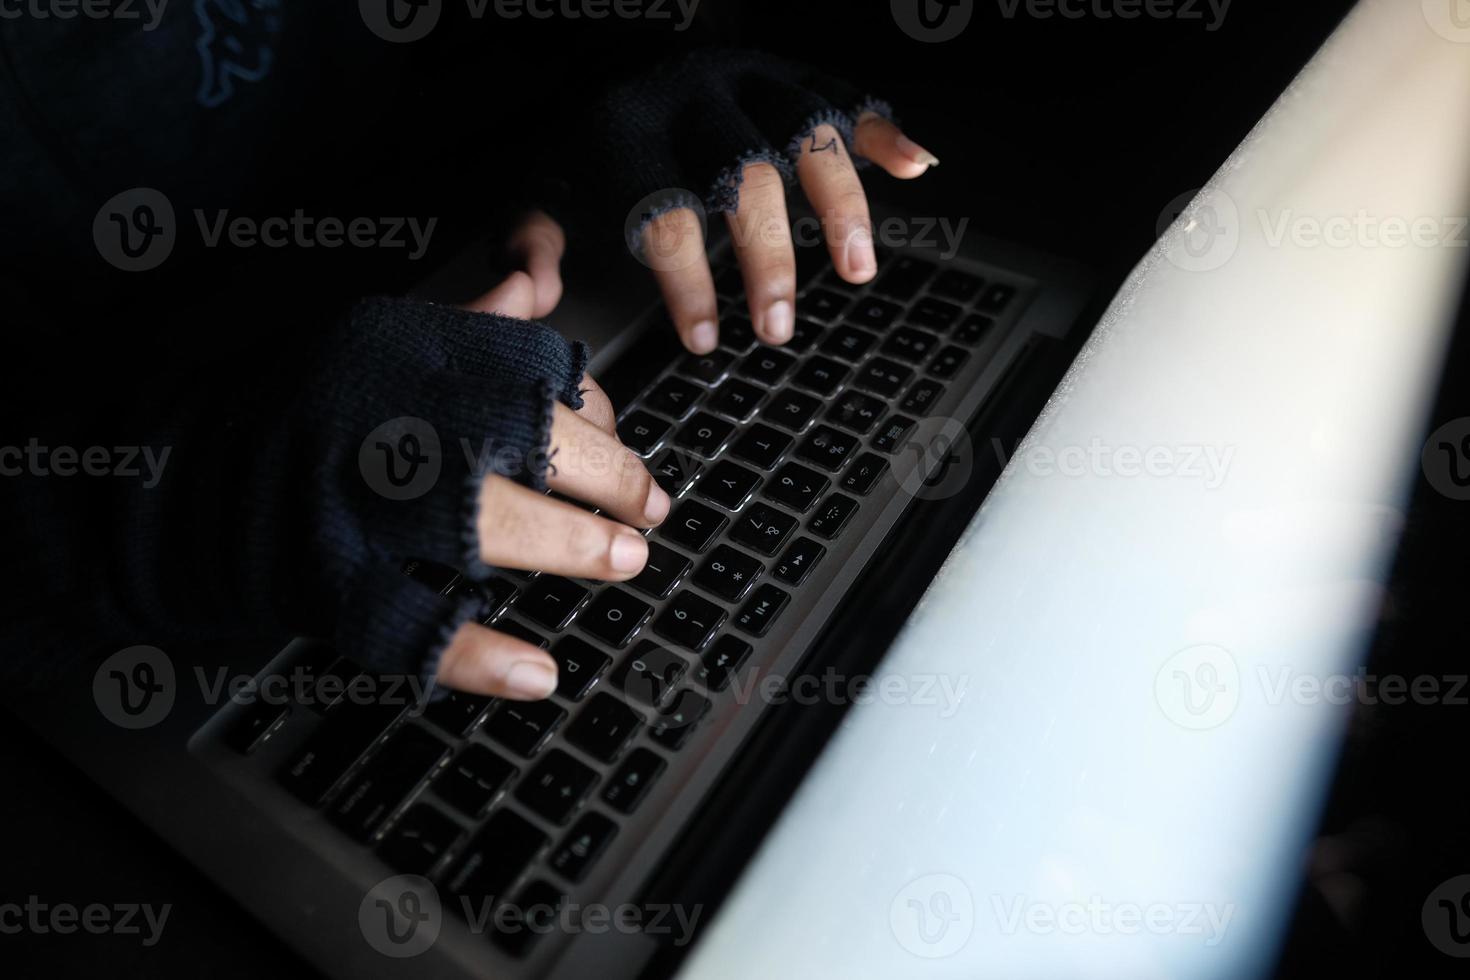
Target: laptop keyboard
(768, 454)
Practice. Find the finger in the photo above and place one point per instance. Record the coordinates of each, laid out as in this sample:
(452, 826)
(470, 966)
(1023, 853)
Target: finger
(673, 246)
(540, 243)
(597, 408)
(515, 297)
(832, 186)
(482, 661)
(763, 246)
(596, 468)
(520, 528)
(879, 140)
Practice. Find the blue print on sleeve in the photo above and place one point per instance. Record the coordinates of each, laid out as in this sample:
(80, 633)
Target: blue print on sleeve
(235, 42)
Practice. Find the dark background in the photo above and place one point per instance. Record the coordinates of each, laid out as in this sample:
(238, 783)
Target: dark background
(1069, 135)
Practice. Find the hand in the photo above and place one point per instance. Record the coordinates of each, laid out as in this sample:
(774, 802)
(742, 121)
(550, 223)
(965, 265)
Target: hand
(761, 233)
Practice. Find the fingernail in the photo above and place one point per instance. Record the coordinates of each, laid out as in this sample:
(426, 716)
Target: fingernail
(779, 322)
(915, 152)
(531, 680)
(703, 336)
(629, 553)
(860, 258)
(656, 507)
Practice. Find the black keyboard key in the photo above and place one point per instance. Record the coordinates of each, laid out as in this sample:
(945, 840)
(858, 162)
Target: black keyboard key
(555, 787)
(524, 726)
(430, 574)
(674, 470)
(350, 729)
(803, 336)
(882, 377)
(935, 314)
(737, 399)
(974, 329)
(473, 780)
(614, 616)
(762, 528)
(791, 410)
(493, 595)
(582, 845)
(418, 840)
(863, 473)
(520, 631)
(903, 276)
(535, 912)
(673, 397)
(728, 573)
(633, 780)
(728, 484)
(922, 397)
(947, 362)
(404, 761)
(761, 445)
(908, 344)
(832, 516)
(737, 334)
(704, 434)
(722, 661)
(707, 368)
(689, 620)
(642, 432)
(996, 298)
(495, 858)
(874, 313)
(848, 343)
(957, 285)
(663, 571)
(256, 723)
(827, 447)
(856, 411)
(650, 673)
(760, 611)
(693, 525)
(457, 712)
(730, 281)
(766, 365)
(821, 374)
(578, 665)
(604, 727)
(796, 486)
(673, 728)
(822, 304)
(798, 560)
(329, 683)
(892, 433)
(551, 601)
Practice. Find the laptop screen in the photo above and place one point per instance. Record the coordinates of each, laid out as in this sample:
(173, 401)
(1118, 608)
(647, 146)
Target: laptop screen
(1100, 746)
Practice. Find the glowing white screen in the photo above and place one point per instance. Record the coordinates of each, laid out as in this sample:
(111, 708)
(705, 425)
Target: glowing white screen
(1073, 783)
